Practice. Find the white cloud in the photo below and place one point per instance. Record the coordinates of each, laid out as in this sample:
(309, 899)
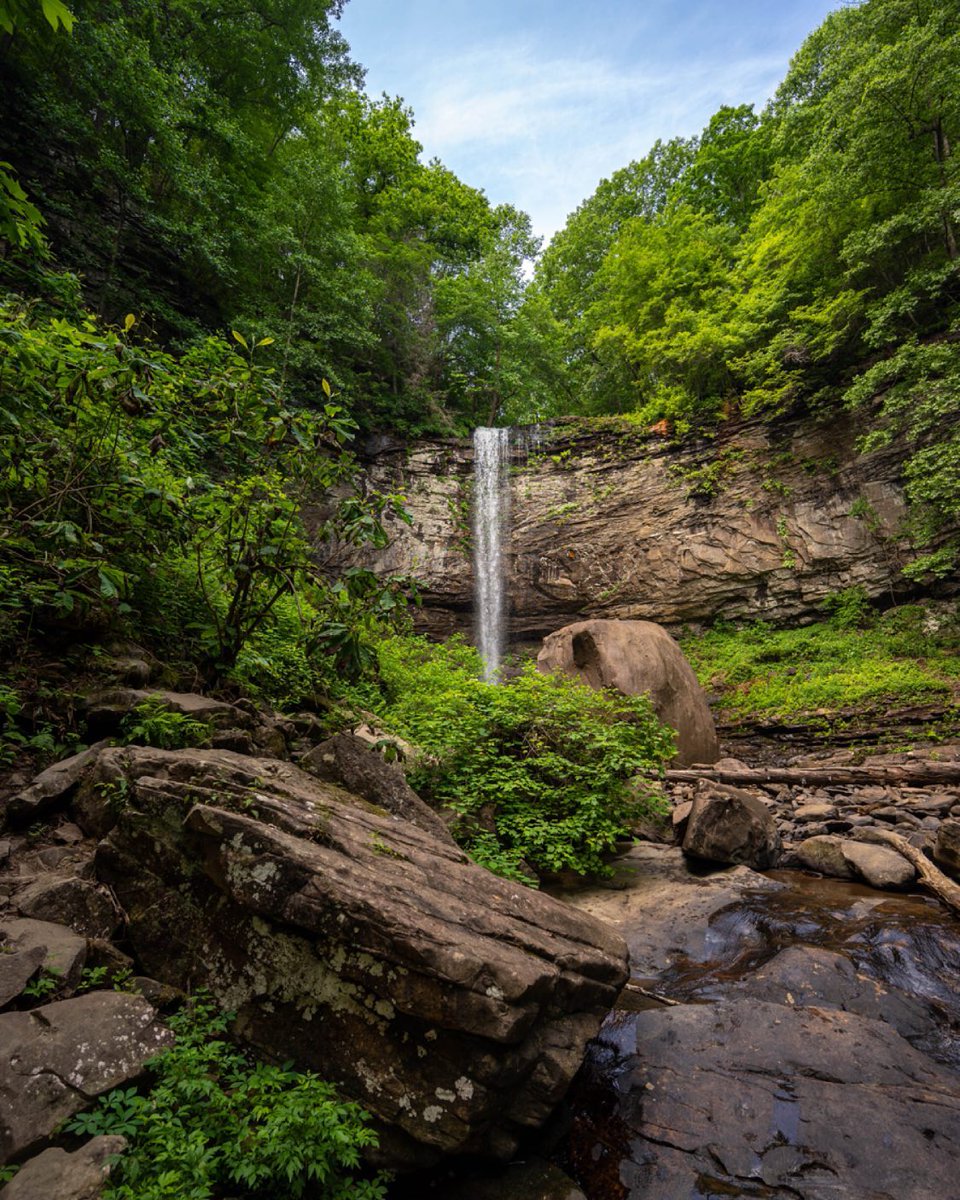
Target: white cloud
(541, 132)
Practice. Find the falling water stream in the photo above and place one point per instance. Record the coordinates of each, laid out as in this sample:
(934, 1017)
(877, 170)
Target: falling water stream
(491, 506)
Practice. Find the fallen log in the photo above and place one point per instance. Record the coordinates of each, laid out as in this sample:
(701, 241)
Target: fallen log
(930, 876)
(915, 774)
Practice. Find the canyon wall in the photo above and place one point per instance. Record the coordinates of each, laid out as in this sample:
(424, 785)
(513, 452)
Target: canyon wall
(612, 521)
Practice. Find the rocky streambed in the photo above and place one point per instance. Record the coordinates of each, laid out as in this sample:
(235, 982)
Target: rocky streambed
(786, 1034)
(781, 1034)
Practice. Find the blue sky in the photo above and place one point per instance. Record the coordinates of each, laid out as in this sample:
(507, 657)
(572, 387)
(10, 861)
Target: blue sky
(535, 101)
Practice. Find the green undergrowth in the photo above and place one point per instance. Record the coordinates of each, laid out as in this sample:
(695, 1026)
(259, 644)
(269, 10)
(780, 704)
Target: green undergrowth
(216, 1124)
(537, 767)
(855, 659)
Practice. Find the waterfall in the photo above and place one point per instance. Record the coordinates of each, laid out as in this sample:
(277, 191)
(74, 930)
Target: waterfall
(491, 508)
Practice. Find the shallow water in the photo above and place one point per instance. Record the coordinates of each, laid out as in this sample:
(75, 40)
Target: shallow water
(905, 955)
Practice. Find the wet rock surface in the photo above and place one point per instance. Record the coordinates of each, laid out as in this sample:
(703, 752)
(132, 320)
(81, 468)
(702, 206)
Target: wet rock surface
(744, 1097)
(796, 1041)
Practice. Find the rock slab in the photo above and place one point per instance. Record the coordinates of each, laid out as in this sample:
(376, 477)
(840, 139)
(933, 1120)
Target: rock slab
(453, 1004)
(746, 1098)
(55, 1059)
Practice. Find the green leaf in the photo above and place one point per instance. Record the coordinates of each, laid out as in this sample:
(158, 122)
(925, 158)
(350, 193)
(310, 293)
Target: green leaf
(58, 14)
(240, 338)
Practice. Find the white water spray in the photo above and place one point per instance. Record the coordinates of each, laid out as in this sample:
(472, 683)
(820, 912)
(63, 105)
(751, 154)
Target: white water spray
(491, 505)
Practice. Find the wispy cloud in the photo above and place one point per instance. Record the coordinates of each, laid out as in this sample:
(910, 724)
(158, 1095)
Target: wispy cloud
(545, 130)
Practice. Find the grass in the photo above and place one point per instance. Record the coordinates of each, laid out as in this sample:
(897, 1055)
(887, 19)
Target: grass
(905, 656)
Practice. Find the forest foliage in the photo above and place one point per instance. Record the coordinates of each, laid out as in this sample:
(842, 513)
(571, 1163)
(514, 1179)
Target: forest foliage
(222, 262)
(221, 169)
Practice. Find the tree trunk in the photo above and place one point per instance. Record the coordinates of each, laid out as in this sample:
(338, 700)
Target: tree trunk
(918, 774)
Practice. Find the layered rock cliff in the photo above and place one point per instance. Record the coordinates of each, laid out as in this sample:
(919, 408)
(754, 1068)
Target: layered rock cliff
(611, 521)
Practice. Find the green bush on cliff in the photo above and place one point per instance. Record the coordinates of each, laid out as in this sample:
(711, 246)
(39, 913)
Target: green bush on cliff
(538, 768)
(216, 1124)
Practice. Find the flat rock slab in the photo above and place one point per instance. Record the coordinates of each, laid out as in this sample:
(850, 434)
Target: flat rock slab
(453, 1004)
(662, 907)
(55, 1059)
(57, 1175)
(755, 1099)
(28, 945)
(813, 977)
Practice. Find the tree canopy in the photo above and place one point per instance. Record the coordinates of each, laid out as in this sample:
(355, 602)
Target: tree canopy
(217, 168)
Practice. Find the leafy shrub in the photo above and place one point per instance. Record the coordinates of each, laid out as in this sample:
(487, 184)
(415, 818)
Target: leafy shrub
(138, 486)
(152, 723)
(216, 1124)
(849, 608)
(537, 767)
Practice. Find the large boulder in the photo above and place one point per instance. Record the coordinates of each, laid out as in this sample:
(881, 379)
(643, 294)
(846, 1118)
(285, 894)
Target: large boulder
(453, 1004)
(729, 825)
(636, 657)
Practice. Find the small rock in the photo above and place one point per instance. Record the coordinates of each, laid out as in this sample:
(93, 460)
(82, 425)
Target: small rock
(76, 903)
(350, 762)
(57, 1175)
(68, 833)
(28, 945)
(825, 855)
(679, 818)
(815, 812)
(937, 805)
(946, 850)
(50, 787)
(52, 856)
(880, 866)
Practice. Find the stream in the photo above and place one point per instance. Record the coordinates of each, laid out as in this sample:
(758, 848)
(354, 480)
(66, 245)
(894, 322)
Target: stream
(814, 1053)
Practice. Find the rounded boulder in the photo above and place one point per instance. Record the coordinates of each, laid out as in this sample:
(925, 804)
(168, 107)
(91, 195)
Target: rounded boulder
(636, 657)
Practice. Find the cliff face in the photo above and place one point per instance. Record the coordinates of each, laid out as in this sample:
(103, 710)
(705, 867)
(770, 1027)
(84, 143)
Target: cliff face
(607, 521)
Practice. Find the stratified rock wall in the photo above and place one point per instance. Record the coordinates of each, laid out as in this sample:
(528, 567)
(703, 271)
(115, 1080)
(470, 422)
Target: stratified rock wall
(609, 521)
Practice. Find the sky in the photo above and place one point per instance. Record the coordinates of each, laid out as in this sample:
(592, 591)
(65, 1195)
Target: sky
(536, 101)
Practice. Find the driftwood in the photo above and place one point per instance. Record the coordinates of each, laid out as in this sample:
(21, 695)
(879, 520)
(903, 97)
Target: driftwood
(930, 876)
(642, 991)
(911, 774)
